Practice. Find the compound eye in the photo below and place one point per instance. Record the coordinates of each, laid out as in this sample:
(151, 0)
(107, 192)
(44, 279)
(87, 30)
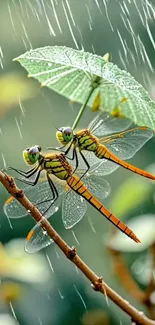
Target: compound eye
(34, 150)
(68, 131)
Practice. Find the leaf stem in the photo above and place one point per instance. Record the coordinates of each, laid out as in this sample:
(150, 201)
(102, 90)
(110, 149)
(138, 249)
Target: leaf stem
(82, 108)
(97, 282)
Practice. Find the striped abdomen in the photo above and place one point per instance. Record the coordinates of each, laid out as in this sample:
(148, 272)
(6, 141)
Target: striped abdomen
(77, 185)
(103, 152)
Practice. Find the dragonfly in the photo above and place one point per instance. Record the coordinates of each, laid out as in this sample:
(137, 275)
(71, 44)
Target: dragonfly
(109, 138)
(57, 169)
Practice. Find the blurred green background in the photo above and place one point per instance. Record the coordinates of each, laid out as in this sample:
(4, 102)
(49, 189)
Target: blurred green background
(29, 115)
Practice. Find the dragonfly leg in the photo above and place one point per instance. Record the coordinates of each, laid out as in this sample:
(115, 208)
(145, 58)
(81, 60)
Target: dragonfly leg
(68, 149)
(33, 183)
(74, 156)
(54, 192)
(76, 160)
(26, 174)
(52, 187)
(86, 163)
(52, 199)
(57, 148)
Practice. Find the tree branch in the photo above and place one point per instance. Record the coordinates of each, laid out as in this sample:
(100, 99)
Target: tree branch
(98, 284)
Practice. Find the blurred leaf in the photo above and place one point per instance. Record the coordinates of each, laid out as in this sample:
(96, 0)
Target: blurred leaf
(10, 291)
(14, 87)
(151, 169)
(142, 269)
(95, 317)
(131, 193)
(7, 319)
(144, 228)
(17, 264)
(71, 73)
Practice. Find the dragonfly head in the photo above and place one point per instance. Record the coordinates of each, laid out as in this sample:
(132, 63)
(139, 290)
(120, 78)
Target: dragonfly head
(64, 135)
(32, 155)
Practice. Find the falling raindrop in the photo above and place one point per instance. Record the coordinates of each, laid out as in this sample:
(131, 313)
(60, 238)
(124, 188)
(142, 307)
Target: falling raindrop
(50, 264)
(91, 225)
(12, 310)
(18, 127)
(77, 291)
(60, 294)
(69, 25)
(75, 237)
(4, 161)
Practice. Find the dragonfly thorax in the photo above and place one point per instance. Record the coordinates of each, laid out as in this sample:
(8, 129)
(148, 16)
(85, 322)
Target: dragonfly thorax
(58, 165)
(86, 140)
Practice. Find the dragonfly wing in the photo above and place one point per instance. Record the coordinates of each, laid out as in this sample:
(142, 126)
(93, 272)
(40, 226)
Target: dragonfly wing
(97, 186)
(13, 209)
(74, 208)
(100, 167)
(105, 124)
(37, 239)
(104, 167)
(39, 193)
(129, 143)
(90, 157)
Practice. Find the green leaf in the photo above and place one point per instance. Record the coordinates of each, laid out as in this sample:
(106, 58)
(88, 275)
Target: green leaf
(22, 266)
(133, 191)
(71, 73)
(144, 228)
(143, 267)
(13, 87)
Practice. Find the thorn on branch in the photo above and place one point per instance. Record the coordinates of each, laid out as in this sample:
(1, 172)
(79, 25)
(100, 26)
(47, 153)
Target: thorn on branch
(97, 285)
(10, 180)
(19, 194)
(71, 253)
(133, 322)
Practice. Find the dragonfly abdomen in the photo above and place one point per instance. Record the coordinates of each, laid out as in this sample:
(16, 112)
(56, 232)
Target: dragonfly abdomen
(78, 186)
(103, 152)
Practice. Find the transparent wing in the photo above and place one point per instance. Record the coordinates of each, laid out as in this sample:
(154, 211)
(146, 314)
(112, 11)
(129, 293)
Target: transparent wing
(74, 208)
(37, 239)
(107, 166)
(126, 144)
(100, 167)
(90, 156)
(105, 123)
(96, 185)
(39, 193)
(104, 167)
